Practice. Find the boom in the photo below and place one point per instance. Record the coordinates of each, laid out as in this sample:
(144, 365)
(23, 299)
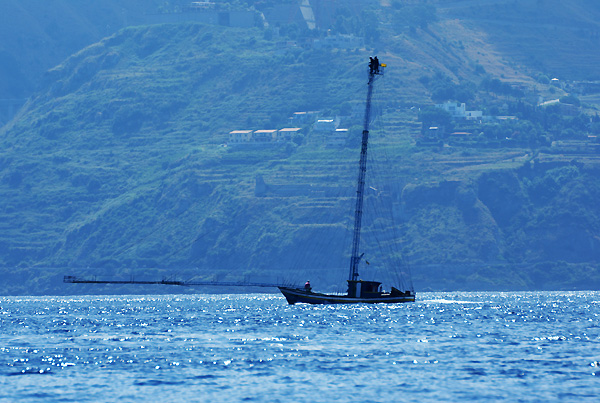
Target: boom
(74, 279)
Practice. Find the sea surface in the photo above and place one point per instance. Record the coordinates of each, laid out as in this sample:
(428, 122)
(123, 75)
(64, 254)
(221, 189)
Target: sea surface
(530, 347)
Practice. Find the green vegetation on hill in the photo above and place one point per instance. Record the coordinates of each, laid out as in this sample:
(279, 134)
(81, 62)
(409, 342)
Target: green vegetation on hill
(124, 164)
(119, 166)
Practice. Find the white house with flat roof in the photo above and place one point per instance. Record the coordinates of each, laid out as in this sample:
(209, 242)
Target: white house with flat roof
(326, 125)
(240, 136)
(459, 111)
(264, 136)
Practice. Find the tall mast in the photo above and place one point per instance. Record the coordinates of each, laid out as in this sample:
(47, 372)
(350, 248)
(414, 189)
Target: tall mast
(374, 70)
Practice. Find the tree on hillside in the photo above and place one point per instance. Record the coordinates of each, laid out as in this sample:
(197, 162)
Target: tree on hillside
(498, 87)
(443, 89)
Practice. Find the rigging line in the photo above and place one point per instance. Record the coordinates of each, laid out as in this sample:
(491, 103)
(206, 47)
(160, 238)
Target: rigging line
(387, 243)
(379, 234)
(395, 251)
(402, 259)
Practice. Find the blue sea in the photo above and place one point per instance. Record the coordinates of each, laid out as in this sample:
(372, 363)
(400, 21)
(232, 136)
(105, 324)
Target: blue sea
(529, 347)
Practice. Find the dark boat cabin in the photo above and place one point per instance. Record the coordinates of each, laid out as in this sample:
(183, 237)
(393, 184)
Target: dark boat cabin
(363, 289)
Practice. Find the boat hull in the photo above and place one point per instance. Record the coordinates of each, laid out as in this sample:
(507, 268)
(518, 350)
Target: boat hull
(295, 295)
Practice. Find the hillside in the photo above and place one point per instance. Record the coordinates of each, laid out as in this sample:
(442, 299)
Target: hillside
(118, 165)
(123, 149)
(39, 35)
(552, 37)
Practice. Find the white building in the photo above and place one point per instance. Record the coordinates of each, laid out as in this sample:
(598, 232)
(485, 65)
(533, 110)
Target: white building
(459, 111)
(326, 125)
(240, 136)
(264, 136)
(454, 108)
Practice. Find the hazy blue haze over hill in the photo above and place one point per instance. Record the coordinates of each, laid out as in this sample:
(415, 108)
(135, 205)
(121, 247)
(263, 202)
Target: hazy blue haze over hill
(117, 166)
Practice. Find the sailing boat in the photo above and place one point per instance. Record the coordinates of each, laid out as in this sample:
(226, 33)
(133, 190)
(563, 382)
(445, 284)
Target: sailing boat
(359, 291)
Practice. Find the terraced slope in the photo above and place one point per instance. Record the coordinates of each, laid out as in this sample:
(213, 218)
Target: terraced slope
(118, 166)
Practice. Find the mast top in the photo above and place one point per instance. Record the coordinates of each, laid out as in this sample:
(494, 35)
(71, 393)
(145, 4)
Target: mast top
(375, 68)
